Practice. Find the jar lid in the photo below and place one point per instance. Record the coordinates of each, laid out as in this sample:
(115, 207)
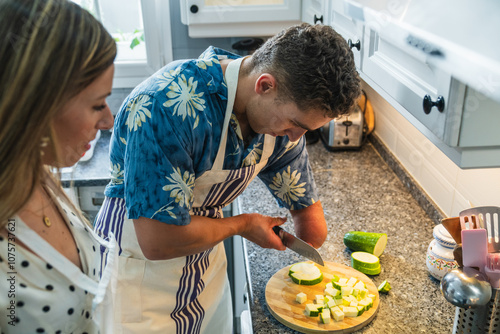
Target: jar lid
(443, 236)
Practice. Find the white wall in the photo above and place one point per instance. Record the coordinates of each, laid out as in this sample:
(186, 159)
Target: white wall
(450, 187)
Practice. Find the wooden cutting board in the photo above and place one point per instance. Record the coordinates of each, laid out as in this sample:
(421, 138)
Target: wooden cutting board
(280, 298)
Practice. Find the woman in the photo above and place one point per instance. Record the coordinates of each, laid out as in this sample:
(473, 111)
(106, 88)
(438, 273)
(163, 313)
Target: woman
(56, 70)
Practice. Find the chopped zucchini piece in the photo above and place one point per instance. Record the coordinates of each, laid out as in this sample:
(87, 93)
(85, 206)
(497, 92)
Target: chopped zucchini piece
(301, 298)
(324, 316)
(305, 273)
(312, 310)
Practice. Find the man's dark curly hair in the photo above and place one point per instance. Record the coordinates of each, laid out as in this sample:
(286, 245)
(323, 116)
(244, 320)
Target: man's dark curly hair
(314, 68)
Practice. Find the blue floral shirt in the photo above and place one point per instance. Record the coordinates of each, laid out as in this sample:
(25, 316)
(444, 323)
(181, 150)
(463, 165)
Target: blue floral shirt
(167, 133)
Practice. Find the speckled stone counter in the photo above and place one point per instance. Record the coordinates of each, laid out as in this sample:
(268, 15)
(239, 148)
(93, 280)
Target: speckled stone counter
(360, 192)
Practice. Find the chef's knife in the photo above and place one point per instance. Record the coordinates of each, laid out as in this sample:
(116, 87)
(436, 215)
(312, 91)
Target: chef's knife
(297, 245)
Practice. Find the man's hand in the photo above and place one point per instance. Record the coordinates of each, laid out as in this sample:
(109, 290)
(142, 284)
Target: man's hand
(260, 231)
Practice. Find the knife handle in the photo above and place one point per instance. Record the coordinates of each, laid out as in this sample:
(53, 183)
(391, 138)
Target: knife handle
(277, 230)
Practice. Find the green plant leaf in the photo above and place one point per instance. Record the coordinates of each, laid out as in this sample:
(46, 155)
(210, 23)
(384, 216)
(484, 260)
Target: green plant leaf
(134, 43)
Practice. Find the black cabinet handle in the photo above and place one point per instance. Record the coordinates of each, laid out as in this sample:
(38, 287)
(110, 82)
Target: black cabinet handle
(428, 104)
(316, 19)
(194, 9)
(356, 45)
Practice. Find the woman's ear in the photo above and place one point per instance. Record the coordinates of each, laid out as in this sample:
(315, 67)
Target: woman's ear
(265, 84)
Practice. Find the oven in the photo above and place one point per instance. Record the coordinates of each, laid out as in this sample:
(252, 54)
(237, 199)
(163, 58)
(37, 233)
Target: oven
(239, 276)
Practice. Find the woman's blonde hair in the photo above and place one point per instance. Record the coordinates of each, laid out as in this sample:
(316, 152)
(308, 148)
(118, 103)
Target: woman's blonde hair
(50, 51)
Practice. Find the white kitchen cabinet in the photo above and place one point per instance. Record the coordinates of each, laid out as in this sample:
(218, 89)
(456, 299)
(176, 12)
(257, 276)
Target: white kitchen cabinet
(400, 66)
(349, 28)
(315, 11)
(480, 121)
(409, 81)
(243, 18)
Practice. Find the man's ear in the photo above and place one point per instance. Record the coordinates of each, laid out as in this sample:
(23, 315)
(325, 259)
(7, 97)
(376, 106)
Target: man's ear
(265, 84)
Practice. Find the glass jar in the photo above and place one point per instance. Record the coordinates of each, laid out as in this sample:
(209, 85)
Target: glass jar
(440, 259)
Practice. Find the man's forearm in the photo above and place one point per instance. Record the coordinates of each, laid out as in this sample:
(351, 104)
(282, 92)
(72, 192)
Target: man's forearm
(310, 224)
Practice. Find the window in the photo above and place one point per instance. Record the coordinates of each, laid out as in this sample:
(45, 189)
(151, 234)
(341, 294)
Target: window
(141, 29)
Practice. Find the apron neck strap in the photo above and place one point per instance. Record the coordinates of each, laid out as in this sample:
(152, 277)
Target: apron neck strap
(231, 76)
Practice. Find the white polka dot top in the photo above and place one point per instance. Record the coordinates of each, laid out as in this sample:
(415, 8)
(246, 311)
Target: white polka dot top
(35, 297)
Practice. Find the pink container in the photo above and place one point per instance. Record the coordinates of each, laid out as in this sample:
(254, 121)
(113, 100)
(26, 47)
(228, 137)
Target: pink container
(475, 248)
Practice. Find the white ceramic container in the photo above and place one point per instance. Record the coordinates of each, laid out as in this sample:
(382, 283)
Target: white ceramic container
(440, 258)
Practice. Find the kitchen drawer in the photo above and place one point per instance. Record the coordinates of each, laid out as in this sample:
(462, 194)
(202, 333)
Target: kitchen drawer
(408, 79)
(350, 29)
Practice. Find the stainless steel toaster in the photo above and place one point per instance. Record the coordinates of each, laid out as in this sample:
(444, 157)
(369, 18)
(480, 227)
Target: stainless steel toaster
(344, 133)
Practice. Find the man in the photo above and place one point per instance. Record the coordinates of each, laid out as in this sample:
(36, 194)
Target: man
(188, 141)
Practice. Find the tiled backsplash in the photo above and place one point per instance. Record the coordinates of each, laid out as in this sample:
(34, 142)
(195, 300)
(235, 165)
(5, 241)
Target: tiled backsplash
(452, 189)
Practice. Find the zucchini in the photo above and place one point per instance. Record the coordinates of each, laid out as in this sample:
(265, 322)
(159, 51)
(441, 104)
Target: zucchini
(324, 316)
(366, 263)
(373, 243)
(384, 287)
(305, 273)
(350, 300)
(301, 298)
(312, 310)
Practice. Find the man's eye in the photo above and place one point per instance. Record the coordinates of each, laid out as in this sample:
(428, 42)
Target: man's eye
(100, 108)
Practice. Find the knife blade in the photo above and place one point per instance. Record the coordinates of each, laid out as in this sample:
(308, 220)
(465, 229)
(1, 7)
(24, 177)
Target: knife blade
(298, 245)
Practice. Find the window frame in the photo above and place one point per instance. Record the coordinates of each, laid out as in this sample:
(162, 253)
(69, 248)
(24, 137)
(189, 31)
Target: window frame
(158, 41)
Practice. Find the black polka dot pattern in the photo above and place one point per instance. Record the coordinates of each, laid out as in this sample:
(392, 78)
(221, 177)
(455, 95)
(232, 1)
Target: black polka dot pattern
(43, 293)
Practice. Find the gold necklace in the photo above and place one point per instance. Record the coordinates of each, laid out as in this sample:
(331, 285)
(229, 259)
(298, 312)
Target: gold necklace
(45, 219)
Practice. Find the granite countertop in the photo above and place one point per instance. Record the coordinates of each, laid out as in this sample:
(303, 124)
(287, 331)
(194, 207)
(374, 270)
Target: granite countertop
(359, 191)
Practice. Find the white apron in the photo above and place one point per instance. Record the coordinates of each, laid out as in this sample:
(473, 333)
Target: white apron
(190, 294)
(103, 290)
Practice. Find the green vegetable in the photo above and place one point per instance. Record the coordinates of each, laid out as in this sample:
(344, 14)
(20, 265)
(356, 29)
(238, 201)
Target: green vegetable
(312, 310)
(305, 273)
(369, 242)
(354, 300)
(384, 287)
(366, 263)
(324, 316)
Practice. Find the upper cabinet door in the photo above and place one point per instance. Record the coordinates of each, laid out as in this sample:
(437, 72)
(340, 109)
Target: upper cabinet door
(349, 28)
(420, 89)
(315, 11)
(222, 18)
